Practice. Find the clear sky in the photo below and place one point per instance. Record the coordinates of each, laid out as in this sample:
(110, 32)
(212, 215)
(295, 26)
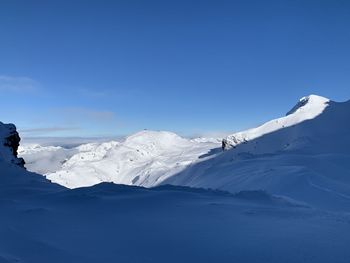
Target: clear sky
(102, 68)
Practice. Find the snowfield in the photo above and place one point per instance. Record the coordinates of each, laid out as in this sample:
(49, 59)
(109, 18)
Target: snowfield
(113, 223)
(44, 222)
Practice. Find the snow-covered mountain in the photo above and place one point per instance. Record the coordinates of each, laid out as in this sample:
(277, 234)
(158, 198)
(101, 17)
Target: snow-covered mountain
(43, 222)
(146, 158)
(302, 155)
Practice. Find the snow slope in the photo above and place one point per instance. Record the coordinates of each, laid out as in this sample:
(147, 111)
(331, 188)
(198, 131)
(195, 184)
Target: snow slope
(146, 158)
(113, 223)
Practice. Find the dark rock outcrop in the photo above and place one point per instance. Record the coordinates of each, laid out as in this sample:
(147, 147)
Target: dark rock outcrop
(10, 142)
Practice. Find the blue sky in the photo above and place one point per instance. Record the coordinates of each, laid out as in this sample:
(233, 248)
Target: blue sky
(105, 68)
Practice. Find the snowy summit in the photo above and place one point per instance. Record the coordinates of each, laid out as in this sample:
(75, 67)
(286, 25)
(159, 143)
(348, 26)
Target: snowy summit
(307, 108)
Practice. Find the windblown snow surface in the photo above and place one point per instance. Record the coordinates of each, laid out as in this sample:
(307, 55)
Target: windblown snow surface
(42, 222)
(287, 197)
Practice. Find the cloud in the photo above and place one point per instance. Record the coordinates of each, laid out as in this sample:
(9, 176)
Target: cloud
(71, 121)
(94, 93)
(107, 93)
(17, 84)
(86, 113)
(45, 130)
(211, 134)
(66, 142)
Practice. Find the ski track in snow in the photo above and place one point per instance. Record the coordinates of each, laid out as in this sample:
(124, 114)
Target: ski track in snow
(328, 190)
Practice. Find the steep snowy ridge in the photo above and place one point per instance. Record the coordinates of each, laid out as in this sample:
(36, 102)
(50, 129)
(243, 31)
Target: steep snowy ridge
(307, 108)
(315, 124)
(304, 155)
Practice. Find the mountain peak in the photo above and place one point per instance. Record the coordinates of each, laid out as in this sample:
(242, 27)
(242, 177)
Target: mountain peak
(307, 108)
(311, 102)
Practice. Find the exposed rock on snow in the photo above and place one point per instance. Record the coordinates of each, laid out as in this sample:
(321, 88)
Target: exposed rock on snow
(9, 139)
(13, 177)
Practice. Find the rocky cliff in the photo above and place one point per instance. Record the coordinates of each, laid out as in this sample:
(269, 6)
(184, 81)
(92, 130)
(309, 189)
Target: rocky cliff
(9, 142)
